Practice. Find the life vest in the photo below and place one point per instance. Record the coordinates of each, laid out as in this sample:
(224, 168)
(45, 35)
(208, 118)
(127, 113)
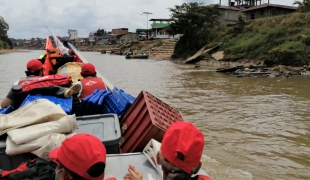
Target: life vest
(89, 85)
(26, 80)
(31, 82)
(53, 55)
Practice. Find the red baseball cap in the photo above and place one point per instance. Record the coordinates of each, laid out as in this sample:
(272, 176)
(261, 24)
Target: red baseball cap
(82, 154)
(34, 65)
(88, 68)
(182, 145)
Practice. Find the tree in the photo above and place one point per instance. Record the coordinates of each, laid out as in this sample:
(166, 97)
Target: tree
(4, 27)
(193, 20)
(303, 5)
(192, 17)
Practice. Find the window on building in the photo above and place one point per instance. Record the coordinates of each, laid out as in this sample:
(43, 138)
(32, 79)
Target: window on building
(252, 15)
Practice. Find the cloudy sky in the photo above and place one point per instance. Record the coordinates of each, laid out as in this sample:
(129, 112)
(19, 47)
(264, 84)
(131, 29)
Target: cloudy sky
(28, 18)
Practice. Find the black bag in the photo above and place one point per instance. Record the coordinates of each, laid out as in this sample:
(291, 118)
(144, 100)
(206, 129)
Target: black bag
(37, 169)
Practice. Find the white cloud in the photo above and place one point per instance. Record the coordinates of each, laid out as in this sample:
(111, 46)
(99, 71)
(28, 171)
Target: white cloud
(27, 19)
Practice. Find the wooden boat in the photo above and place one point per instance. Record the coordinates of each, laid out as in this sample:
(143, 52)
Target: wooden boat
(143, 163)
(138, 56)
(116, 52)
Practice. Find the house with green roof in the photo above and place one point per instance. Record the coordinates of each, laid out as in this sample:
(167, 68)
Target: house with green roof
(158, 28)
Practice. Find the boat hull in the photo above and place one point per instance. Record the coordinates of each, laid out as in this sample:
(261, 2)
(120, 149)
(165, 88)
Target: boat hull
(137, 57)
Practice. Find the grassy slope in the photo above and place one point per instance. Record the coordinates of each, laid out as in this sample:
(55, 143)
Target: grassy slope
(276, 40)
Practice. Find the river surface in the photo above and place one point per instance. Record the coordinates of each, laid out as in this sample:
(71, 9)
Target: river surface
(255, 128)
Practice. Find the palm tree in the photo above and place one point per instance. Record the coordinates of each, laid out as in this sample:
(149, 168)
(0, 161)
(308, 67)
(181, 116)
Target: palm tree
(303, 5)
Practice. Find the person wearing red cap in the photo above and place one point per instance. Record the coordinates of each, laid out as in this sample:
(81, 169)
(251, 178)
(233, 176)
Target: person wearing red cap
(80, 157)
(180, 153)
(34, 71)
(88, 84)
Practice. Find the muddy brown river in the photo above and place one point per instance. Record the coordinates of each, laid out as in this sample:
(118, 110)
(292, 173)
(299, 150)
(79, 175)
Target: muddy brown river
(255, 128)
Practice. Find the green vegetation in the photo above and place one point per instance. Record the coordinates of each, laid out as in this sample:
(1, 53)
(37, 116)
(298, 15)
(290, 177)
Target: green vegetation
(5, 42)
(196, 22)
(303, 6)
(276, 40)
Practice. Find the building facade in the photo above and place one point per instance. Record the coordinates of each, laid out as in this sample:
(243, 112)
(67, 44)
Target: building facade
(158, 28)
(73, 34)
(120, 31)
(229, 14)
(267, 10)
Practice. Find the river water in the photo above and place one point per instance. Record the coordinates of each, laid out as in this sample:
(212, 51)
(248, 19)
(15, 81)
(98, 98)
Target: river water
(255, 128)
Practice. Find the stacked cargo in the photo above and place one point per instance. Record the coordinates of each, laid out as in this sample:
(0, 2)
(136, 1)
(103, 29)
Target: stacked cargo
(147, 118)
(106, 102)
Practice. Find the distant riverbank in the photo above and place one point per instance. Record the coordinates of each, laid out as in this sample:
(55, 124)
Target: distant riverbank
(3, 51)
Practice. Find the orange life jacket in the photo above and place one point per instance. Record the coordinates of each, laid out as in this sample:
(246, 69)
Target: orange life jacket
(90, 84)
(53, 55)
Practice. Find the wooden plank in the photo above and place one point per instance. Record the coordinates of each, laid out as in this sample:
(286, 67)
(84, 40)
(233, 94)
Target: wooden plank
(201, 52)
(218, 55)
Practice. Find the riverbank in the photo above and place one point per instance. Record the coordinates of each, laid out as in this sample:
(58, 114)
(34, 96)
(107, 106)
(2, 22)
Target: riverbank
(252, 68)
(279, 40)
(4, 51)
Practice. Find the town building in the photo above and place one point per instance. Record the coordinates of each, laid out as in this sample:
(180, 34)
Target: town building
(229, 14)
(117, 36)
(158, 30)
(267, 10)
(252, 9)
(73, 34)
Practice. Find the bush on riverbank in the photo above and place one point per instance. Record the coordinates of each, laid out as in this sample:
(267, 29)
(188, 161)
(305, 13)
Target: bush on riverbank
(276, 40)
(189, 44)
(4, 45)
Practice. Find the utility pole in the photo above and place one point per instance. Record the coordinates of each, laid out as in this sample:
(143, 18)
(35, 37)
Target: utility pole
(147, 23)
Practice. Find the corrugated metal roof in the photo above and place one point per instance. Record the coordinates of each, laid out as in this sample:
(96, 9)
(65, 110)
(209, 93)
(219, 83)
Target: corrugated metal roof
(270, 5)
(161, 20)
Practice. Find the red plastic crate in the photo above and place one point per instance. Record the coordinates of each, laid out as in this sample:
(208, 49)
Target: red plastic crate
(147, 118)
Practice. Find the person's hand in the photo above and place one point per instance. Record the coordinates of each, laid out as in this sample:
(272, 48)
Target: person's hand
(133, 174)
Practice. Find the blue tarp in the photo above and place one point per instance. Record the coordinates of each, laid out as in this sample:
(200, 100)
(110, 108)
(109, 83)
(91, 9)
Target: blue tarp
(65, 103)
(6, 110)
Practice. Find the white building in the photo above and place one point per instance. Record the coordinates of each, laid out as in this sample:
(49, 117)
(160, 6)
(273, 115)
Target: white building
(73, 34)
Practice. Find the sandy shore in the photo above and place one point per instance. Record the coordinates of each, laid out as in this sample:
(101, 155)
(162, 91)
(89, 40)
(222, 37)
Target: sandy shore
(2, 51)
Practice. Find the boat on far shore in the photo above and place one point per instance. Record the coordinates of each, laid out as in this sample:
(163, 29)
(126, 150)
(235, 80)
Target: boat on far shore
(138, 55)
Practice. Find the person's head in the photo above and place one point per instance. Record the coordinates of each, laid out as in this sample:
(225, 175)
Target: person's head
(88, 69)
(34, 68)
(80, 157)
(181, 150)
